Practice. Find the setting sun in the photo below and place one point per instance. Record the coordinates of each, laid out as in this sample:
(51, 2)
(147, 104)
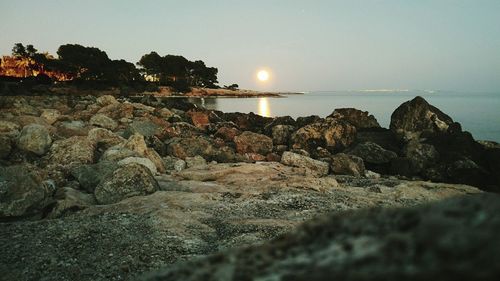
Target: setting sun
(263, 75)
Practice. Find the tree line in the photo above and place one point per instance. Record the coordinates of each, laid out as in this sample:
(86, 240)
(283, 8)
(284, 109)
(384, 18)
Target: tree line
(90, 64)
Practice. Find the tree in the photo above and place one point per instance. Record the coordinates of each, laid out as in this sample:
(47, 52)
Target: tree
(19, 50)
(87, 63)
(31, 51)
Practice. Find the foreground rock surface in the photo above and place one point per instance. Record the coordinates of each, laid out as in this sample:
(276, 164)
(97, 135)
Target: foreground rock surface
(198, 211)
(452, 239)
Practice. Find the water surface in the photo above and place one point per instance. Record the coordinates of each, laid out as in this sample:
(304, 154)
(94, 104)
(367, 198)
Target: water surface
(479, 113)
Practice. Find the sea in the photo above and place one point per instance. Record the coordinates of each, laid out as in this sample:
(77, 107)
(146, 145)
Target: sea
(479, 113)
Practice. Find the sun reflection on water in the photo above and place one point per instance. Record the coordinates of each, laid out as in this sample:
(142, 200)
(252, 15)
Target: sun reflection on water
(264, 108)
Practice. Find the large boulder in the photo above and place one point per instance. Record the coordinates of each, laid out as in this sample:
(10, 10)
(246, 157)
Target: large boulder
(311, 166)
(421, 155)
(50, 115)
(360, 119)
(249, 142)
(334, 135)
(23, 191)
(34, 138)
(129, 180)
(346, 164)
(106, 100)
(417, 116)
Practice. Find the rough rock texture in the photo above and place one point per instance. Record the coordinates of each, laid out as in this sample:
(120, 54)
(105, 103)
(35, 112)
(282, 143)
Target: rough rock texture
(5, 146)
(34, 138)
(106, 100)
(23, 191)
(235, 205)
(360, 119)
(190, 147)
(249, 142)
(311, 166)
(413, 117)
(346, 164)
(432, 242)
(129, 180)
(75, 150)
(373, 153)
(141, 161)
(103, 121)
(89, 176)
(50, 115)
(332, 134)
(282, 133)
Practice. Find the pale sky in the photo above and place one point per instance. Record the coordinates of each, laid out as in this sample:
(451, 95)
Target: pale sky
(307, 45)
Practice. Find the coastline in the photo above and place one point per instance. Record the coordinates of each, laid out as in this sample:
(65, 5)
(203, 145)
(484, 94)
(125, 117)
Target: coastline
(212, 93)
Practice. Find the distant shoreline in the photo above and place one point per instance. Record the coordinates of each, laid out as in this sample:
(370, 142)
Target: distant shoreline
(214, 93)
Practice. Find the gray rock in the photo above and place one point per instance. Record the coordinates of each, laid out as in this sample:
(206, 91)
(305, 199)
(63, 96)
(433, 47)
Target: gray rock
(196, 161)
(145, 128)
(130, 180)
(75, 150)
(5, 146)
(311, 166)
(373, 153)
(103, 121)
(360, 119)
(413, 117)
(345, 164)
(282, 133)
(89, 176)
(334, 135)
(23, 191)
(50, 115)
(69, 200)
(34, 138)
(106, 100)
(439, 241)
(141, 161)
(8, 128)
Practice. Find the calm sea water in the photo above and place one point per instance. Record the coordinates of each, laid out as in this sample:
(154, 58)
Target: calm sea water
(478, 113)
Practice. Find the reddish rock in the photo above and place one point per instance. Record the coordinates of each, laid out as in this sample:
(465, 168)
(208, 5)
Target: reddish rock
(249, 142)
(200, 119)
(227, 133)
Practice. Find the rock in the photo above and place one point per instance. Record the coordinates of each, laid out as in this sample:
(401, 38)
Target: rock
(179, 165)
(72, 128)
(23, 191)
(190, 147)
(373, 244)
(421, 155)
(104, 138)
(281, 134)
(174, 163)
(117, 153)
(381, 136)
(75, 150)
(34, 138)
(200, 119)
(414, 117)
(127, 181)
(372, 153)
(196, 161)
(5, 146)
(345, 164)
(137, 144)
(139, 160)
(8, 128)
(249, 142)
(106, 100)
(50, 115)
(182, 130)
(307, 120)
(332, 134)
(89, 176)
(117, 111)
(69, 200)
(360, 119)
(145, 128)
(103, 121)
(311, 166)
(227, 133)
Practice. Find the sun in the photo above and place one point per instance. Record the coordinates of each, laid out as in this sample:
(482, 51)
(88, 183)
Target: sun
(263, 75)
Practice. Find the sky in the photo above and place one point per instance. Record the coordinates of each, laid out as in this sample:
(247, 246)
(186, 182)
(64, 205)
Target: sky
(306, 45)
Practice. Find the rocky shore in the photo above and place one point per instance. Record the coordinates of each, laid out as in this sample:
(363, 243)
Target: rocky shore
(104, 188)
